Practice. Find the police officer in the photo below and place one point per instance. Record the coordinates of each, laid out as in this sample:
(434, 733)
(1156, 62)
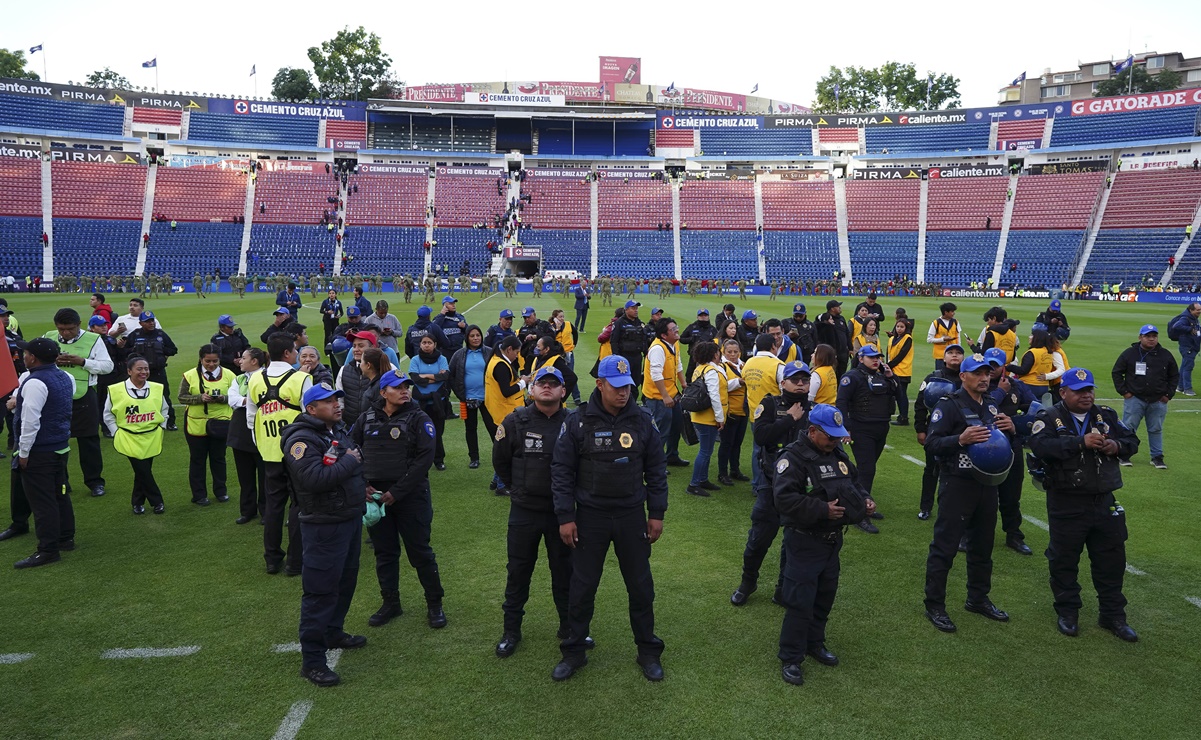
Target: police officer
(628, 340)
(695, 333)
(1080, 445)
(779, 420)
(498, 331)
(423, 327)
(522, 458)
(230, 342)
(453, 326)
(817, 492)
(273, 401)
(831, 328)
(801, 330)
(866, 395)
(531, 330)
(967, 497)
(326, 472)
(398, 439)
(152, 343)
(608, 465)
(932, 386)
(1011, 397)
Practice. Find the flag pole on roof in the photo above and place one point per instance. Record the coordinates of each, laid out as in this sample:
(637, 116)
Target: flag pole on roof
(153, 63)
(34, 50)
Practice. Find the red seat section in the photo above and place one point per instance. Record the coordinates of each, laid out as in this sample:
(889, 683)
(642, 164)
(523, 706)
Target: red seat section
(557, 202)
(799, 206)
(466, 200)
(348, 130)
(840, 135)
(388, 200)
(1031, 128)
(22, 191)
(194, 194)
(293, 197)
(1153, 199)
(675, 138)
(890, 205)
(1056, 201)
(160, 116)
(718, 204)
(88, 190)
(965, 203)
(636, 204)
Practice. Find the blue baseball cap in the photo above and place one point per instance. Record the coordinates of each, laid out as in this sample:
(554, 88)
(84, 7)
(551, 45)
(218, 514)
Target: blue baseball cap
(352, 311)
(506, 313)
(1038, 326)
(829, 419)
(748, 314)
(548, 371)
(423, 312)
(1147, 329)
(320, 392)
(996, 356)
(527, 311)
(149, 316)
(799, 308)
(280, 311)
(97, 321)
(1055, 304)
(616, 370)
(1077, 378)
(656, 310)
(450, 299)
(869, 350)
(631, 304)
(794, 368)
(973, 363)
(225, 320)
(950, 347)
(702, 312)
(391, 379)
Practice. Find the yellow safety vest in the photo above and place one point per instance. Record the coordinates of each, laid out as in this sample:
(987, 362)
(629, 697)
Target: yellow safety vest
(707, 416)
(737, 403)
(271, 417)
(1066, 366)
(1042, 365)
(759, 372)
(905, 367)
(863, 340)
(606, 349)
(828, 391)
(139, 421)
(670, 380)
(197, 418)
(564, 337)
(1008, 342)
(942, 331)
(498, 404)
(82, 347)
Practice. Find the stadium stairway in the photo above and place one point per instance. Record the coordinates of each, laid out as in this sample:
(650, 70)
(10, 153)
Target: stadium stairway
(429, 224)
(1094, 228)
(675, 229)
(1168, 273)
(248, 221)
(595, 222)
(47, 222)
(759, 253)
(147, 216)
(923, 207)
(1006, 220)
(844, 241)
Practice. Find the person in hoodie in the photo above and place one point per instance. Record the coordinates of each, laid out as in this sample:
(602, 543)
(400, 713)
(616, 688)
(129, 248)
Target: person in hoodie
(102, 309)
(1000, 332)
(423, 327)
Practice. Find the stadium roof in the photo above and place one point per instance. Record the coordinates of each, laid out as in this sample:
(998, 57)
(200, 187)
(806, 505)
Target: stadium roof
(242, 145)
(625, 112)
(1115, 145)
(81, 135)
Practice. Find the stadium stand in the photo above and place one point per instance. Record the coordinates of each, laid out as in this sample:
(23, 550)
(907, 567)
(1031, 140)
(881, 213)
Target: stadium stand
(839, 135)
(1056, 201)
(890, 205)
(345, 130)
(719, 254)
(634, 204)
(569, 249)
(953, 257)
(456, 245)
(293, 197)
(638, 253)
(807, 255)
(718, 204)
(386, 249)
(21, 216)
(965, 203)
(1030, 129)
(194, 247)
(556, 202)
(387, 200)
(287, 249)
(1151, 199)
(939, 138)
(96, 247)
(771, 142)
(1039, 258)
(1166, 123)
(220, 127)
(88, 190)
(800, 230)
(158, 116)
(23, 111)
(1128, 256)
(883, 255)
(465, 200)
(799, 206)
(195, 194)
(22, 191)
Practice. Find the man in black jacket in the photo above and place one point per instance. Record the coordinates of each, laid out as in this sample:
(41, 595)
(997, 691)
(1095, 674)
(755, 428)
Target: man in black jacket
(628, 340)
(952, 359)
(231, 342)
(875, 310)
(698, 332)
(330, 499)
(1079, 445)
(531, 330)
(1147, 377)
(802, 332)
(832, 329)
(748, 330)
(281, 318)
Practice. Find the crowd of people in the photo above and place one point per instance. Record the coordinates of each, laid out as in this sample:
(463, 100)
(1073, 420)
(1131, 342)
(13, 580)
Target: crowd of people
(327, 437)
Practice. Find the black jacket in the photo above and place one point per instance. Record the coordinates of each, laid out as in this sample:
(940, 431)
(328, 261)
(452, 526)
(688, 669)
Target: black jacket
(326, 494)
(1161, 378)
(458, 370)
(154, 345)
(1071, 468)
(835, 333)
(806, 480)
(401, 462)
(273, 328)
(231, 348)
(522, 457)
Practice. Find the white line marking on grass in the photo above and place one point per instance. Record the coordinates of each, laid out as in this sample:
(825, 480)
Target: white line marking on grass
(290, 727)
(331, 656)
(1134, 571)
(479, 303)
(914, 460)
(1194, 601)
(119, 653)
(13, 658)
(888, 447)
(1046, 527)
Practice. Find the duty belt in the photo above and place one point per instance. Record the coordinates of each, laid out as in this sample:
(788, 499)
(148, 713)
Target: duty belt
(823, 535)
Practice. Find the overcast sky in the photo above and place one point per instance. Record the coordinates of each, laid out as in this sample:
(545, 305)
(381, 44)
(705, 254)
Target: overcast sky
(785, 47)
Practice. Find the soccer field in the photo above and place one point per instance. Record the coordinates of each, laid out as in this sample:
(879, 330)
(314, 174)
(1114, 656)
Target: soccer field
(192, 584)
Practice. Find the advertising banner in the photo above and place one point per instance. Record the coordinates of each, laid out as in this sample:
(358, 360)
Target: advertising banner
(1019, 145)
(710, 99)
(522, 99)
(680, 121)
(436, 93)
(891, 173)
(346, 145)
(568, 174)
(348, 111)
(523, 253)
(394, 169)
(205, 162)
(20, 151)
(1166, 162)
(1064, 168)
(627, 70)
(79, 94)
(644, 94)
(95, 156)
(967, 170)
(470, 171)
(574, 91)
(1144, 101)
(630, 174)
(1002, 293)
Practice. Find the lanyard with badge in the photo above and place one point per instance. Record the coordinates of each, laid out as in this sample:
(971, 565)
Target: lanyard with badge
(1140, 367)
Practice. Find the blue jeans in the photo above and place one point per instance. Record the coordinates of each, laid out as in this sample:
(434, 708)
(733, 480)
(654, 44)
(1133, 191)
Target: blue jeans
(757, 481)
(1136, 409)
(707, 435)
(669, 421)
(1188, 358)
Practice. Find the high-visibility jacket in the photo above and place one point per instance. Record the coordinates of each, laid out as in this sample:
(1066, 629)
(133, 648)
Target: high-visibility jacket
(827, 392)
(139, 421)
(498, 404)
(706, 415)
(1008, 342)
(197, 417)
(1043, 364)
(760, 373)
(904, 368)
(271, 417)
(951, 335)
(82, 347)
(671, 356)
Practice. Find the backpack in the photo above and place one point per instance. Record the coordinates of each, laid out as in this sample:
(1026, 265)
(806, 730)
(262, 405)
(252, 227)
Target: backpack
(272, 392)
(696, 396)
(1177, 328)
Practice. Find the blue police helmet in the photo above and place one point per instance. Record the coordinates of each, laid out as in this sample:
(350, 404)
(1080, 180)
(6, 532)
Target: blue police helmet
(341, 344)
(935, 390)
(991, 458)
(1063, 333)
(1023, 422)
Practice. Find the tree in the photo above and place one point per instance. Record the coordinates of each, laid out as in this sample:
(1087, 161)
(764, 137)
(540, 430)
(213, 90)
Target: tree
(108, 79)
(1143, 82)
(293, 83)
(12, 65)
(891, 86)
(350, 65)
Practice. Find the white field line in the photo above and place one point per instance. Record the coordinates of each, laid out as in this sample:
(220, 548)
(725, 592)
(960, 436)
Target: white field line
(119, 653)
(1046, 527)
(293, 720)
(331, 656)
(1194, 601)
(13, 658)
(914, 460)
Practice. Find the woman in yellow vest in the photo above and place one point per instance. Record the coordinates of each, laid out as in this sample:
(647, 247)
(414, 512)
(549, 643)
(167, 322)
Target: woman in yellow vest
(548, 351)
(204, 390)
(729, 454)
(1059, 360)
(709, 422)
(869, 334)
(566, 334)
(136, 413)
(823, 383)
(900, 359)
(503, 387)
(1036, 364)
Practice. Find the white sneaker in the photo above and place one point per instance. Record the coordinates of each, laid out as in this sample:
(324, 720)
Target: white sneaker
(1190, 392)
(1125, 462)
(1158, 462)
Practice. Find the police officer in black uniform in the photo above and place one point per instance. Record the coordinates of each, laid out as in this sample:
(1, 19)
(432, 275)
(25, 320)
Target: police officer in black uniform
(609, 480)
(921, 417)
(698, 332)
(802, 331)
(817, 492)
(1080, 445)
(525, 441)
(1012, 397)
(779, 420)
(965, 500)
(398, 439)
(154, 345)
(531, 330)
(628, 340)
(325, 469)
(866, 398)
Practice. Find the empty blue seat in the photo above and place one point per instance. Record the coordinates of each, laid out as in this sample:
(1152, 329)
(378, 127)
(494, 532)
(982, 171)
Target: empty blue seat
(1129, 255)
(883, 255)
(1167, 123)
(194, 247)
(1039, 258)
(386, 250)
(771, 142)
(937, 138)
(457, 245)
(253, 129)
(288, 249)
(23, 111)
(804, 255)
(960, 257)
(730, 255)
(640, 253)
(562, 249)
(20, 245)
